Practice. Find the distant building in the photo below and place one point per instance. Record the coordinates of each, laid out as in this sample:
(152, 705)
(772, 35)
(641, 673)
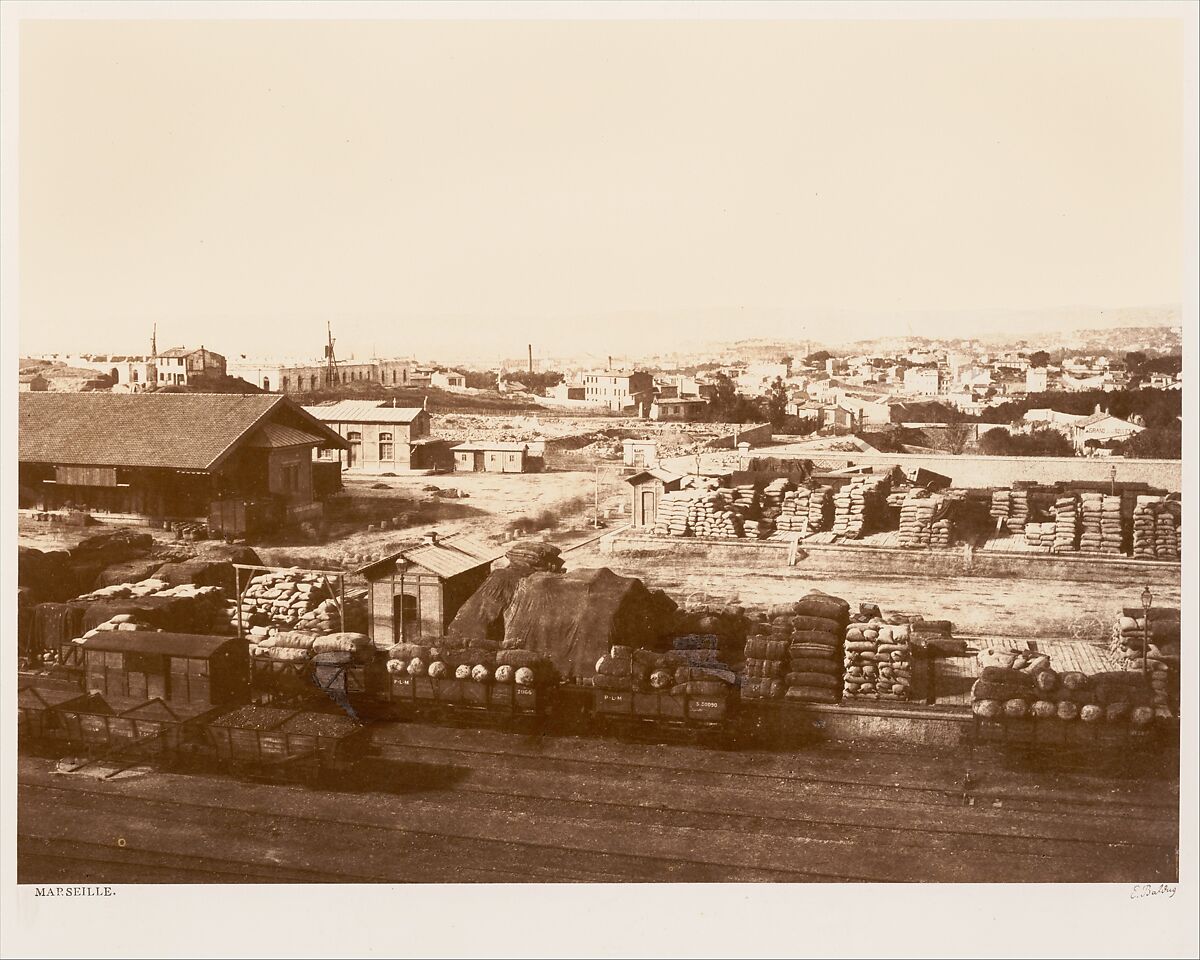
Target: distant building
(448, 380)
(498, 457)
(32, 382)
(922, 381)
(1164, 381)
(383, 439)
(1102, 427)
(619, 390)
(567, 391)
(1037, 380)
(179, 365)
(681, 409)
(292, 376)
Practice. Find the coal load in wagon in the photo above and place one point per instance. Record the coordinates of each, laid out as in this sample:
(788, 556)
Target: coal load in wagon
(573, 619)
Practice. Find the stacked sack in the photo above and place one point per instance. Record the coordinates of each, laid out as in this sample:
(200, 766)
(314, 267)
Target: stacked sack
(1015, 684)
(1066, 524)
(672, 517)
(286, 645)
(807, 509)
(766, 654)
(1018, 510)
(878, 660)
(916, 518)
(287, 601)
(535, 555)
(942, 532)
(122, 621)
(1000, 505)
(1040, 535)
(1155, 529)
(1101, 523)
(690, 668)
(815, 651)
(859, 505)
(1161, 648)
(744, 497)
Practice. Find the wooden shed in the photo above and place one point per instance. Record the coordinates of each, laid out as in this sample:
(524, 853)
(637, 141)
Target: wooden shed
(416, 592)
(495, 457)
(648, 488)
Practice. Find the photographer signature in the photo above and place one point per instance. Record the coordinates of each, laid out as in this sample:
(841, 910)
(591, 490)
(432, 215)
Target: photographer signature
(1141, 891)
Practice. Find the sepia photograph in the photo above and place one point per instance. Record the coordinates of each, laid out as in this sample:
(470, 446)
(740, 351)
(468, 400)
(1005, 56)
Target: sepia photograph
(598, 479)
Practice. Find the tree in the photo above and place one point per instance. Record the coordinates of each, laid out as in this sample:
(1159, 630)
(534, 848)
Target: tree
(1042, 442)
(1156, 444)
(777, 402)
(1134, 361)
(1039, 358)
(819, 357)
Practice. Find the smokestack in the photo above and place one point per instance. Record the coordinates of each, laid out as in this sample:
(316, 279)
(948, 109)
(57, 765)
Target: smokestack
(531, 358)
(610, 363)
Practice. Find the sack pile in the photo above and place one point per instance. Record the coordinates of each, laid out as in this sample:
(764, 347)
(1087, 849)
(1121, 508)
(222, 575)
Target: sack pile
(878, 660)
(942, 532)
(1018, 506)
(535, 555)
(690, 668)
(1000, 509)
(122, 621)
(1066, 524)
(859, 506)
(1162, 652)
(766, 653)
(1155, 529)
(916, 518)
(287, 601)
(287, 645)
(808, 508)
(1015, 684)
(1040, 534)
(697, 513)
(815, 649)
(1101, 523)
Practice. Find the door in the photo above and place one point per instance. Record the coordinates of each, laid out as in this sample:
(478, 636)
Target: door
(479, 461)
(405, 625)
(648, 511)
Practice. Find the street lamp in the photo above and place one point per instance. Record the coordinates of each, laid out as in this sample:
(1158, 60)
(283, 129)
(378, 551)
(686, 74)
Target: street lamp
(1147, 600)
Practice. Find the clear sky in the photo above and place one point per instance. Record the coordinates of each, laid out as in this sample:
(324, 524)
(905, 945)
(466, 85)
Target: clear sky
(439, 188)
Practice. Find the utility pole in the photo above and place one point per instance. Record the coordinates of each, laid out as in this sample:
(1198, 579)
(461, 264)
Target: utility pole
(330, 361)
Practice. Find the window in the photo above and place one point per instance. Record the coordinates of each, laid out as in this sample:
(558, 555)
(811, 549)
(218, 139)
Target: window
(133, 375)
(355, 438)
(291, 477)
(386, 447)
(267, 383)
(393, 376)
(285, 384)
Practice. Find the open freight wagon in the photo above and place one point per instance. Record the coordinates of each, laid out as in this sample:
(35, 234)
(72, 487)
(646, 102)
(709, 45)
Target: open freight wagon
(448, 696)
(276, 743)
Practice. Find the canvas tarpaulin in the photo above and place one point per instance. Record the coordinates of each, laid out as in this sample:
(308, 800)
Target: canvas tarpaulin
(574, 618)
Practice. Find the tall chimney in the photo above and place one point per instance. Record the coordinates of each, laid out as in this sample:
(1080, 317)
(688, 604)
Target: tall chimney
(530, 358)
(610, 363)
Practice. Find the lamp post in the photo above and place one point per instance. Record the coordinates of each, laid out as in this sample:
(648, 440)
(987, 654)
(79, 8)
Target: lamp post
(1147, 600)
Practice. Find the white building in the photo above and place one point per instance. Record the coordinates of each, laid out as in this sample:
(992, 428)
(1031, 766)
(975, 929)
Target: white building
(922, 381)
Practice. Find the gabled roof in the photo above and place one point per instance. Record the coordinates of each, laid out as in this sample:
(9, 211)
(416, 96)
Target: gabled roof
(176, 431)
(1100, 417)
(666, 476)
(364, 411)
(446, 558)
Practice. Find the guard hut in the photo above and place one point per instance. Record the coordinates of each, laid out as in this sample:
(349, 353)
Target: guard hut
(648, 488)
(414, 594)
